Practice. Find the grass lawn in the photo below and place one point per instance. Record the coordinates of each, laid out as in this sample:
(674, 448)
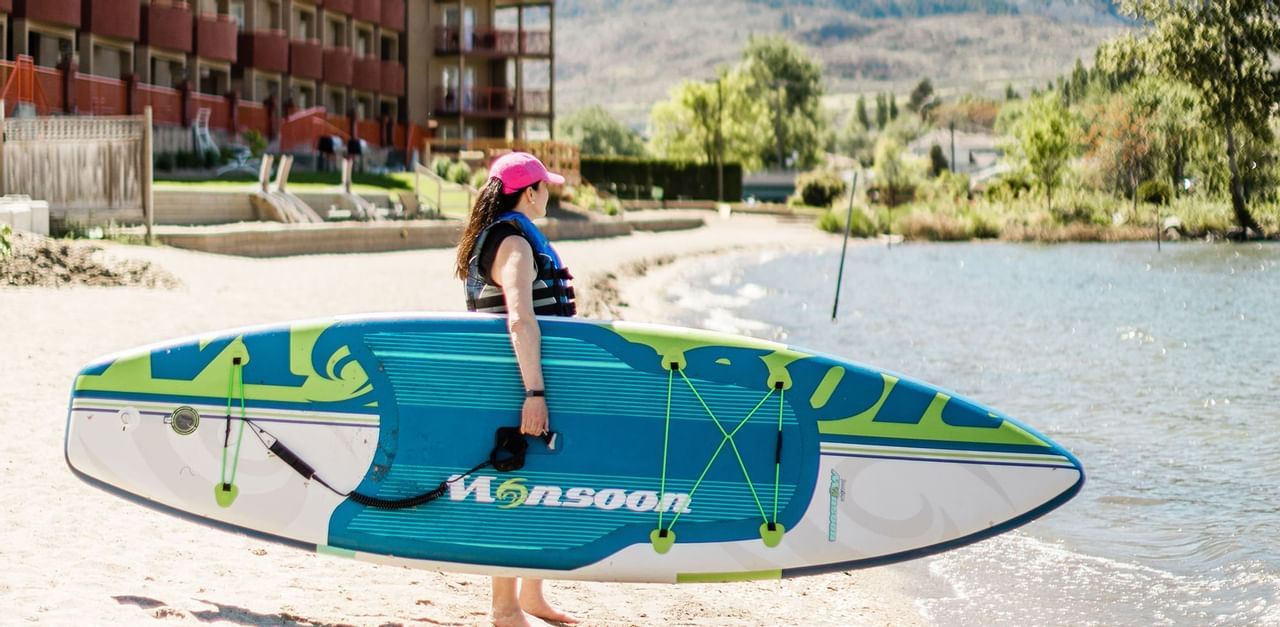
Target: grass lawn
(457, 203)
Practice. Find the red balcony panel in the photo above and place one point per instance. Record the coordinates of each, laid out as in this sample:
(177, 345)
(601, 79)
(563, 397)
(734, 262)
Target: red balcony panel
(368, 10)
(219, 109)
(345, 7)
(113, 18)
(253, 116)
(392, 78)
(266, 50)
(393, 15)
(368, 74)
(482, 101)
(63, 12)
(337, 66)
(216, 37)
(165, 103)
(6, 6)
(96, 95)
(167, 26)
(369, 130)
(306, 59)
(490, 42)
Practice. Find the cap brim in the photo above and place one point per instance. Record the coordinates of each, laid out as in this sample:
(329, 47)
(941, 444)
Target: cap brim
(555, 179)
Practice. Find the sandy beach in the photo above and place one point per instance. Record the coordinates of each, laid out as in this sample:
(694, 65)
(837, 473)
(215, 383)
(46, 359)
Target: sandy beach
(75, 555)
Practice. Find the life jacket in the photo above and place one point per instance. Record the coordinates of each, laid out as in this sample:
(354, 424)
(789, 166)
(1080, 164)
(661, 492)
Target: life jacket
(552, 290)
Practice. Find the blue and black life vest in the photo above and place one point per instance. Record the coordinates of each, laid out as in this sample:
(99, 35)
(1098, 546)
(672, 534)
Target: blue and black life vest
(552, 290)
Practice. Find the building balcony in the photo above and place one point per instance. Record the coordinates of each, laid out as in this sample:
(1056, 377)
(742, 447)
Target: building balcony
(216, 37)
(167, 26)
(535, 102)
(367, 74)
(491, 42)
(478, 101)
(61, 12)
(367, 10)
(113, 18)
(535, 43)
(337, 66)
(345, 7)
(392, 78)
(6, 6)
(306, 59)
(266, 50)
(393, 15)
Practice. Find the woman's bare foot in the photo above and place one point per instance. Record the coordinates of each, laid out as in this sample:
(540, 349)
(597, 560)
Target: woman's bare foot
(510, 618)
(533, 602)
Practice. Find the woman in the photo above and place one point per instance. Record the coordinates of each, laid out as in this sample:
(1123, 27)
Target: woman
(510, 268)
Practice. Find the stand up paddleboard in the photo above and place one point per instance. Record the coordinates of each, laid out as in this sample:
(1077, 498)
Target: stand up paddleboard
(678, 455)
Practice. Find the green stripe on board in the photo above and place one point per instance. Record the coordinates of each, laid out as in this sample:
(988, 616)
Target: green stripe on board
(747, 575)
(333, 550)
(972, 456)
(828, 385)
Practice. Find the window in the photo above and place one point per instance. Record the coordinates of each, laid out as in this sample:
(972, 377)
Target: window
(337, 29)
(305, 26)
(236, 9)
(364, 45)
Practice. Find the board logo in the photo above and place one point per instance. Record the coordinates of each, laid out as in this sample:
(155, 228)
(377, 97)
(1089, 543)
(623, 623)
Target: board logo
(836, 493)
(514, 492)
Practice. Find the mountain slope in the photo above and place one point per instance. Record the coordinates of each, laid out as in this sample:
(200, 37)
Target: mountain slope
(627, 54)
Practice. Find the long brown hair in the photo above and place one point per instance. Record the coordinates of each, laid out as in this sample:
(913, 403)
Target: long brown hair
(490, 204)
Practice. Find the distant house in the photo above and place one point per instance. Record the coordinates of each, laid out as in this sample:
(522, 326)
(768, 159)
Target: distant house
(974, 152)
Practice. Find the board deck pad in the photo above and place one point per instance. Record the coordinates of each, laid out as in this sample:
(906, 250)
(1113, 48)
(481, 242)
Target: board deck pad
(680, 455)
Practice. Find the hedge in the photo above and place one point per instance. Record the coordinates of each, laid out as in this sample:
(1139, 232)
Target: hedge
(635, 178)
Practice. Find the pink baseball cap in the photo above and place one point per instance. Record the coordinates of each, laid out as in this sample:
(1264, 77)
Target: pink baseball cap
(518, 170)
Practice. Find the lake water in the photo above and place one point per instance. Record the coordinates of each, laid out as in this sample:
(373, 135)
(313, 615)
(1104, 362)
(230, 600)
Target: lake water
(1159, 370)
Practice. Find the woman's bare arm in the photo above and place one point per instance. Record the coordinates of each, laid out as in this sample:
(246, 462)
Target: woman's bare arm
(515, 270)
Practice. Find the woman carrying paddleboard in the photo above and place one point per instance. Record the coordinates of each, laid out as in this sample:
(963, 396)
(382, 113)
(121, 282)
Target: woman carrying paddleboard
(510, 268)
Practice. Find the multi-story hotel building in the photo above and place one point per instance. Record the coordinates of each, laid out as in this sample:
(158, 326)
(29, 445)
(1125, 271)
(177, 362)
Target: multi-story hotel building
(463, 68)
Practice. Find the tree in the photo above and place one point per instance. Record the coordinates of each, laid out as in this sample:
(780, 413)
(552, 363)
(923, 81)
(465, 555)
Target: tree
(597, 132)
(892, 176)
(862, 112)
(937, 161)
(1044, 133)
(1224, 50)
(882, 111)
(788, 80)
(893, 106)
(684, 126)
(922, 99)
(1122, 142)
(1010, 93)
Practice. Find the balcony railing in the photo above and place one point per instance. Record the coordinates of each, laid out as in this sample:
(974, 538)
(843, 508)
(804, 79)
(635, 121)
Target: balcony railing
(337, 66)
(344, 7)
(6, 6)
(477, 41)
(306, 59)
(535, 42)
(392, 78)
(61, 12)
(368, 10)
(216, 37)
(535, 102)
(393, 15)
(113, 18)
(367, 74)
(266, 50)
(167, 25)
(498, 101)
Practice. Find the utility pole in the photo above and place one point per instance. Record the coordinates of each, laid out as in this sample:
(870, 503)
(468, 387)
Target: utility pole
(719, 138)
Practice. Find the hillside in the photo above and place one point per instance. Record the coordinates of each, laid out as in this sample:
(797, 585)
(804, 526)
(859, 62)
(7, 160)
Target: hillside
(627, 54)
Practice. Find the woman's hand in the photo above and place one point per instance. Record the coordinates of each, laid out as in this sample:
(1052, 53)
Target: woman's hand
(533, 416)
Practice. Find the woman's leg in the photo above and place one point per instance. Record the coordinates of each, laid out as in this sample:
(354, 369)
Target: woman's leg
(506, 604)
(533, 602)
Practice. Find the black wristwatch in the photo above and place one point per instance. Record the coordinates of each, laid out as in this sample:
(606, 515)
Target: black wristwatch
(533, 393)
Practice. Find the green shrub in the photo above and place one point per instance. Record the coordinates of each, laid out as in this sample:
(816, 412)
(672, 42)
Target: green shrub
(459, 173)
(226, 154)
(6, 243)
(631, 177)
(819, 188)
(212, 159)
(861, 225)
(1155, 192)
(440, 165)
(937, 161)
(479, 178)
(164, 161)
(612, 206)
(984, 224)
(1009, 187)
(256, 142)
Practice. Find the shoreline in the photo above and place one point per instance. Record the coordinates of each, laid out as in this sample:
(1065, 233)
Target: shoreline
(83, 553)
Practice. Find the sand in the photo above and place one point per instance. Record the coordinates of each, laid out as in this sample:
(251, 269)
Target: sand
(76, 555)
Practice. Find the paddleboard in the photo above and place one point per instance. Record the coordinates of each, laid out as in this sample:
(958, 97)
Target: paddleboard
(678, 455)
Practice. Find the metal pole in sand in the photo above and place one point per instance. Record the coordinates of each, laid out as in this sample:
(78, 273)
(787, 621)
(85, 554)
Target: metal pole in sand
(848, 223)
